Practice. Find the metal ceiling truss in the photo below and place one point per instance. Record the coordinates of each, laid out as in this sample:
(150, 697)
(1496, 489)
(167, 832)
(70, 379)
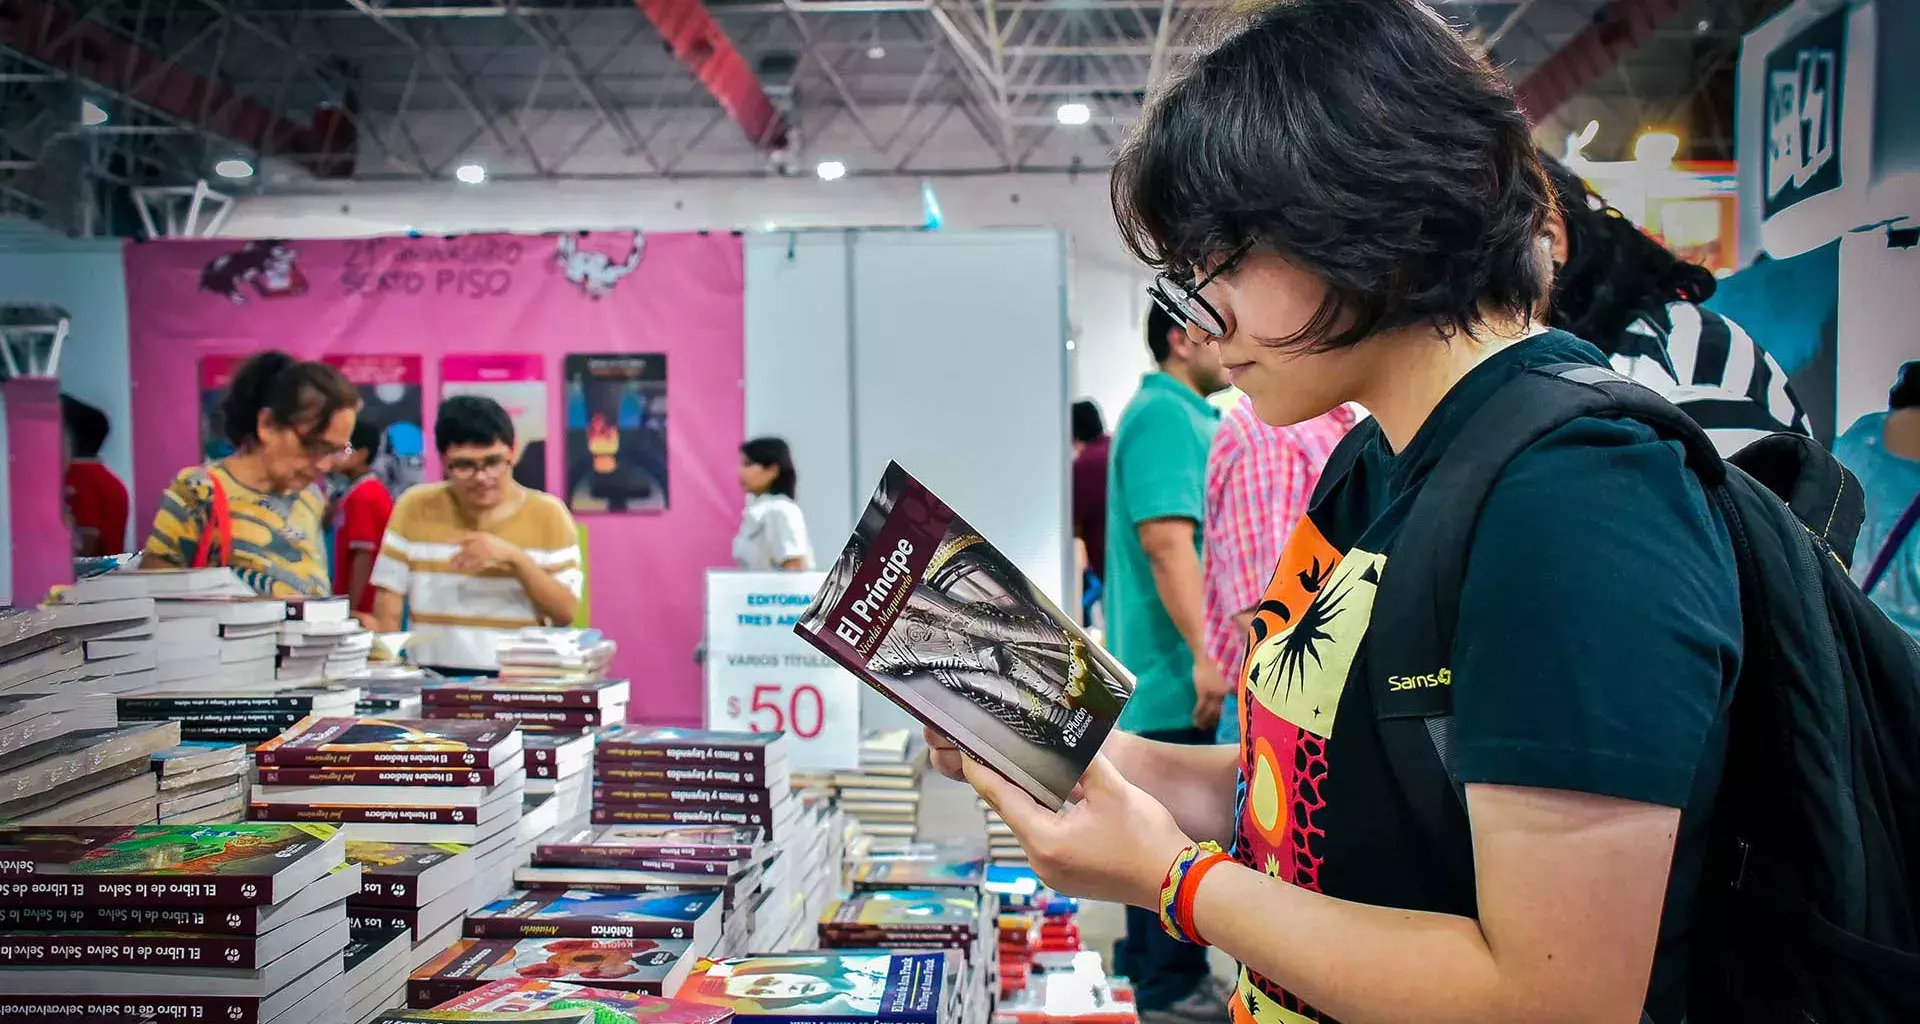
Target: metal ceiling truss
(410, 90)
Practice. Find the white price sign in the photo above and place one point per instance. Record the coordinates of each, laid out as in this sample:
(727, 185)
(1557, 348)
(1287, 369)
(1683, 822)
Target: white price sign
(763, 678)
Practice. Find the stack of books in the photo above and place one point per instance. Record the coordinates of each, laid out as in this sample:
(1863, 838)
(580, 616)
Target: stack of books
(560, 770)
(549, 652)
(919, 872)
(321, 640)
(249, 714)
(562, 706)
(402, 780)
(883, 795)
(217, 643)
(602, 1005)
(86, 776)
(693, 915)
(735, 864)
(424, 888)
(1003, 847)
(880, 987)
(651, 775)
(1079, 993)
(375, 964)
(202, 783)
(237, 923)
(81, 649)
(909, 919)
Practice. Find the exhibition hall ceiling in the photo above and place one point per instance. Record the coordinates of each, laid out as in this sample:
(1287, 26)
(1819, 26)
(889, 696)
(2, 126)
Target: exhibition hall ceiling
(302, 91)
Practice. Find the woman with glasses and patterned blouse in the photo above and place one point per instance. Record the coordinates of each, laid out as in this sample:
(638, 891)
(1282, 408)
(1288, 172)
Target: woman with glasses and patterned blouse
(261, 511)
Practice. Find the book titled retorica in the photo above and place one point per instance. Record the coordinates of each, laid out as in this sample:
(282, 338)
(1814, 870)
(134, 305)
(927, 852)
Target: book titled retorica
(929, 613)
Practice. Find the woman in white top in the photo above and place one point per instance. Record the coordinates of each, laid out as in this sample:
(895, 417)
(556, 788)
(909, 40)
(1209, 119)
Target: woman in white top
(773, 533)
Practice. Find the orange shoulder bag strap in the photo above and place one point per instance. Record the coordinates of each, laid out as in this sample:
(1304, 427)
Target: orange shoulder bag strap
(219, 525)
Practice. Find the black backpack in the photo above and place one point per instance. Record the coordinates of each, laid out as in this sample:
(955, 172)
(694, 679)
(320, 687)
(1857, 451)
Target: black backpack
(1809, 903)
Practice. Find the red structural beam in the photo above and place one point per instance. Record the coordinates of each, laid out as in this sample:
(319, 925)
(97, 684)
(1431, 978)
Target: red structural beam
(1618, 29)
(695, 38)
(53, 36)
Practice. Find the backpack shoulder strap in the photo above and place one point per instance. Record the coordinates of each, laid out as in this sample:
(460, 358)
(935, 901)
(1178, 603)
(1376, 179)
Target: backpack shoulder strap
(217, 532)
(1340, 461)
(1417, 607)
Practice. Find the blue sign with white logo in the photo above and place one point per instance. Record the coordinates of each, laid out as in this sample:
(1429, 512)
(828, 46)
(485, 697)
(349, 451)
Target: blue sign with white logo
(1804, 78)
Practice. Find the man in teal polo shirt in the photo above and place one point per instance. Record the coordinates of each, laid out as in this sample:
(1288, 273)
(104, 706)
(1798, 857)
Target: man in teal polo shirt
(1156, 491)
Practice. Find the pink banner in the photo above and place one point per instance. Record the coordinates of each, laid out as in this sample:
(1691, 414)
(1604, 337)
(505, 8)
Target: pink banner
(505, 300)
(37, 487)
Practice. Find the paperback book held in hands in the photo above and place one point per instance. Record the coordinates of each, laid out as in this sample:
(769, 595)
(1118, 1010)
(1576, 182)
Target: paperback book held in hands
(932, 615)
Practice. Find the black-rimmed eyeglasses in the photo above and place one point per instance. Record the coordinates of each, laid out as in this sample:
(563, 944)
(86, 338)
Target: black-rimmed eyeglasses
(1182, 300)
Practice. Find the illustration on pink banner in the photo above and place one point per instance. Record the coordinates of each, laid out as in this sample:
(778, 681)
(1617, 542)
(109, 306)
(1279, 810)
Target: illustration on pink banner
(444, 315)
(513, 380)
(389, 387)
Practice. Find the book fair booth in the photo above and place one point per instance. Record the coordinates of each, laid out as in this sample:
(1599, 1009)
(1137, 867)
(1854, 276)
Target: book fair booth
(708, 796)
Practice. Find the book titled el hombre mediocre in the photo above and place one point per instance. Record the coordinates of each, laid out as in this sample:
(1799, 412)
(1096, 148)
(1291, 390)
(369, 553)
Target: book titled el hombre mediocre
(928, 612)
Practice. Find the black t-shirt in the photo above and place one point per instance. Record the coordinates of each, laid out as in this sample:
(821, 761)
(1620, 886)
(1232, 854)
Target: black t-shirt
(1599, 632)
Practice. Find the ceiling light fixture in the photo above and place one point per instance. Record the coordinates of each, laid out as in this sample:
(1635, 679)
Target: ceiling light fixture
(471, 174)
(92, 113)
(831, 170)
(1073, 113)
(233, 167)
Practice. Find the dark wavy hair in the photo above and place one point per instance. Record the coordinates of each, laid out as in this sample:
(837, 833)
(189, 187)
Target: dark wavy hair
(1361, 140)
(301, 396)
(1614, 271)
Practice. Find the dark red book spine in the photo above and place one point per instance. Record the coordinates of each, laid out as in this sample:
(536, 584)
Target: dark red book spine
(667, 814)
(388, 890)
(557, 718)
(227, 921)
(694, 754)
(602, 857)
(132, 1009)
(574, 928)
(335, 814)
(642, 774)
(379, 776)
(456, 696)
(136, 891)
(385, 918)
(284, 758)
(189, 951)
(685, 796)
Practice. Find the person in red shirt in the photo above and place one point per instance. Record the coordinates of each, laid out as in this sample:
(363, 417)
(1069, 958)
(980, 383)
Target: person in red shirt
(360, 520)
(96, 499)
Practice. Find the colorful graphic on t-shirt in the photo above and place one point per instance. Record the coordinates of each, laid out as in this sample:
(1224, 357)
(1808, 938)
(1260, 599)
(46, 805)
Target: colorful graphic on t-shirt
(1301, 646)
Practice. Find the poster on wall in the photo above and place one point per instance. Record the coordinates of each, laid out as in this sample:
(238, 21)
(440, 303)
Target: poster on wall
(216, 372)
(389, 387)
(617, 432)
(515, 381)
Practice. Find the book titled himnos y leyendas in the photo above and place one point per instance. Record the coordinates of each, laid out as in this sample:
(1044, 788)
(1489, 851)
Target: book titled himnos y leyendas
(937, 619)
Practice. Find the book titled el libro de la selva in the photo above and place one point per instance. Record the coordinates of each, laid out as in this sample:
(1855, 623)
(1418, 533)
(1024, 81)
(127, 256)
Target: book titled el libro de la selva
(932, 615)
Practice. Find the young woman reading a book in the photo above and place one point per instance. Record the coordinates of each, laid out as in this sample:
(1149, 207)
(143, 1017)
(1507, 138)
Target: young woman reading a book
(1370, 227)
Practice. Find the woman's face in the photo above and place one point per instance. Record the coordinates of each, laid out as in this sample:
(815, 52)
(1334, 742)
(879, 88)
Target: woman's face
(755, 478)
(295, 459)
(1263, 300)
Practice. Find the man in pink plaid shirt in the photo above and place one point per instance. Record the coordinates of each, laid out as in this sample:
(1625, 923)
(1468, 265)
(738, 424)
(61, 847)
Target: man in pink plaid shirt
(1259, 481)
